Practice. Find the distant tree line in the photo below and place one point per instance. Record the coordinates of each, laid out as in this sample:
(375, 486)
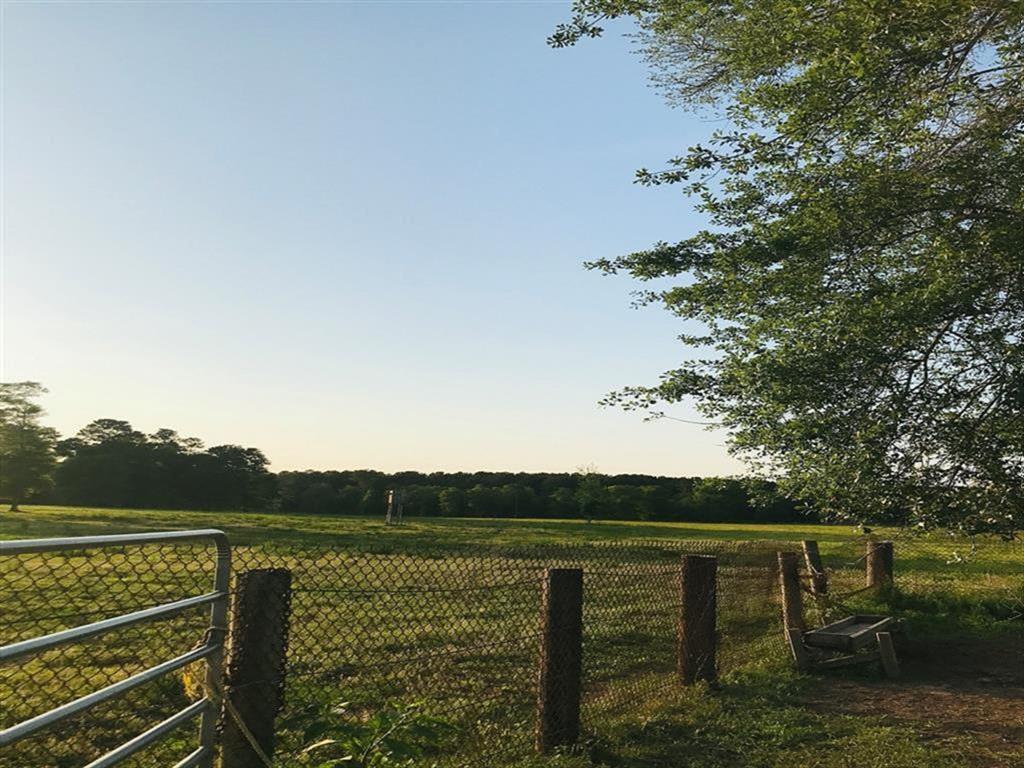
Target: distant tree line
(111, 464)
(586, 495)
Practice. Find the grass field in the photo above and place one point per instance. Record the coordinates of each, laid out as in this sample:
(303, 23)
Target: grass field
(442, 614)
(373, 534)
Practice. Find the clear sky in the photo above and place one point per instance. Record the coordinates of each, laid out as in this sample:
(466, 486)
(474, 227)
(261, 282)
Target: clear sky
(350, 234)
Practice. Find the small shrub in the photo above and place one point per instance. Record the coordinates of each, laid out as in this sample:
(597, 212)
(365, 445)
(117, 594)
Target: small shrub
(390, 738)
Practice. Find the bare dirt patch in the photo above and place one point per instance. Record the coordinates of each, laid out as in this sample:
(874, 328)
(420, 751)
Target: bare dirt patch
(963, 692)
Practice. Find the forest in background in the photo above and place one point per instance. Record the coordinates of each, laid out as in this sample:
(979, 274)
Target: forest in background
(111, 464)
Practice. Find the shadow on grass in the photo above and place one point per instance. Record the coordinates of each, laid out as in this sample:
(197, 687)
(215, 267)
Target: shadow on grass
(757, 720)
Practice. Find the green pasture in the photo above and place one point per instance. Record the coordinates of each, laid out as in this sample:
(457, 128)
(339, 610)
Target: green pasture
(443, 614)
(372, 535)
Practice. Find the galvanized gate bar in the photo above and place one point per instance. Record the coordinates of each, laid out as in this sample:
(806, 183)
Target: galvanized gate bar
(201, 755)
(143, 740)
(212, 649)
(27, 546)
(40, 644)
(63, 712)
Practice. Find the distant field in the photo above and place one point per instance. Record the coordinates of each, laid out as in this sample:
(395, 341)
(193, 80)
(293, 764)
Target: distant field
(358, 531)
(444, 611)
(935, 553)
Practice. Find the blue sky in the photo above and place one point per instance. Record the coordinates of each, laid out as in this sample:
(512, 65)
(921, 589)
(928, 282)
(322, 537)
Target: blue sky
(350, 234)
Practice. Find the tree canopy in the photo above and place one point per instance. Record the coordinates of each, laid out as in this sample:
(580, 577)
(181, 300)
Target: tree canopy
(108, 463)
(26, 446)
(859, 292)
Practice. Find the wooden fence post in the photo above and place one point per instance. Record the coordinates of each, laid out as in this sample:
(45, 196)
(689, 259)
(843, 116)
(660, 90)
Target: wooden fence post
(561, 659)
(887, 655)
(792, 601)
(696, 636)
(812, 558)
(254, 677)
(879, 565)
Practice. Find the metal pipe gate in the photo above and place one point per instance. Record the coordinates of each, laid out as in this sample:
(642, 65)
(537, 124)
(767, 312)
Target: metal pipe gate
(212, 648)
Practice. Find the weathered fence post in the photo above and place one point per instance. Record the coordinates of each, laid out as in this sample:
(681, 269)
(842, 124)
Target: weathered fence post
(696, 637)
(561, 659)
(792, 601)
(792, 607)
(879, 565)
(812, 558)
(254, 677)
(887, 655)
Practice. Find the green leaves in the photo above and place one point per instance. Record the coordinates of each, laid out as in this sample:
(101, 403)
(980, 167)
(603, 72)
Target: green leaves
(861, 284)
(389, 738)
(27, 458)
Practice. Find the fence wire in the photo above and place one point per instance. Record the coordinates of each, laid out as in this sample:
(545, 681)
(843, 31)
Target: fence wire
(48, 592)
(430, 655)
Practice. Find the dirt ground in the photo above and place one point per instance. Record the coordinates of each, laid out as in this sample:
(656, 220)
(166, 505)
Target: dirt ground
(963, 693)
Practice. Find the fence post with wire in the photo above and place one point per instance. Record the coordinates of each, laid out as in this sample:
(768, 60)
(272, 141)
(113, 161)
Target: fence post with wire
(792, 601)
(697, 641)
(812, 559)
(879, 565)
(254, 677)
(561, 659)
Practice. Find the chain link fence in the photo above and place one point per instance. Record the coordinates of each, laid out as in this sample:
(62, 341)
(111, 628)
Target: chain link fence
(53, 591)
(431, 656)
(454, 635)
(958, 582)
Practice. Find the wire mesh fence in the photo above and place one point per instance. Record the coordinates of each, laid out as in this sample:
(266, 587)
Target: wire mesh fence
(433, 655)
(53, 591)
(454, 636)
(955, 580)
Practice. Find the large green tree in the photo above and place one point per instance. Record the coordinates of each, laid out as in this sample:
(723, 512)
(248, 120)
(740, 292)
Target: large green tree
(858, 295)
(109, 463)
(26, 446)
